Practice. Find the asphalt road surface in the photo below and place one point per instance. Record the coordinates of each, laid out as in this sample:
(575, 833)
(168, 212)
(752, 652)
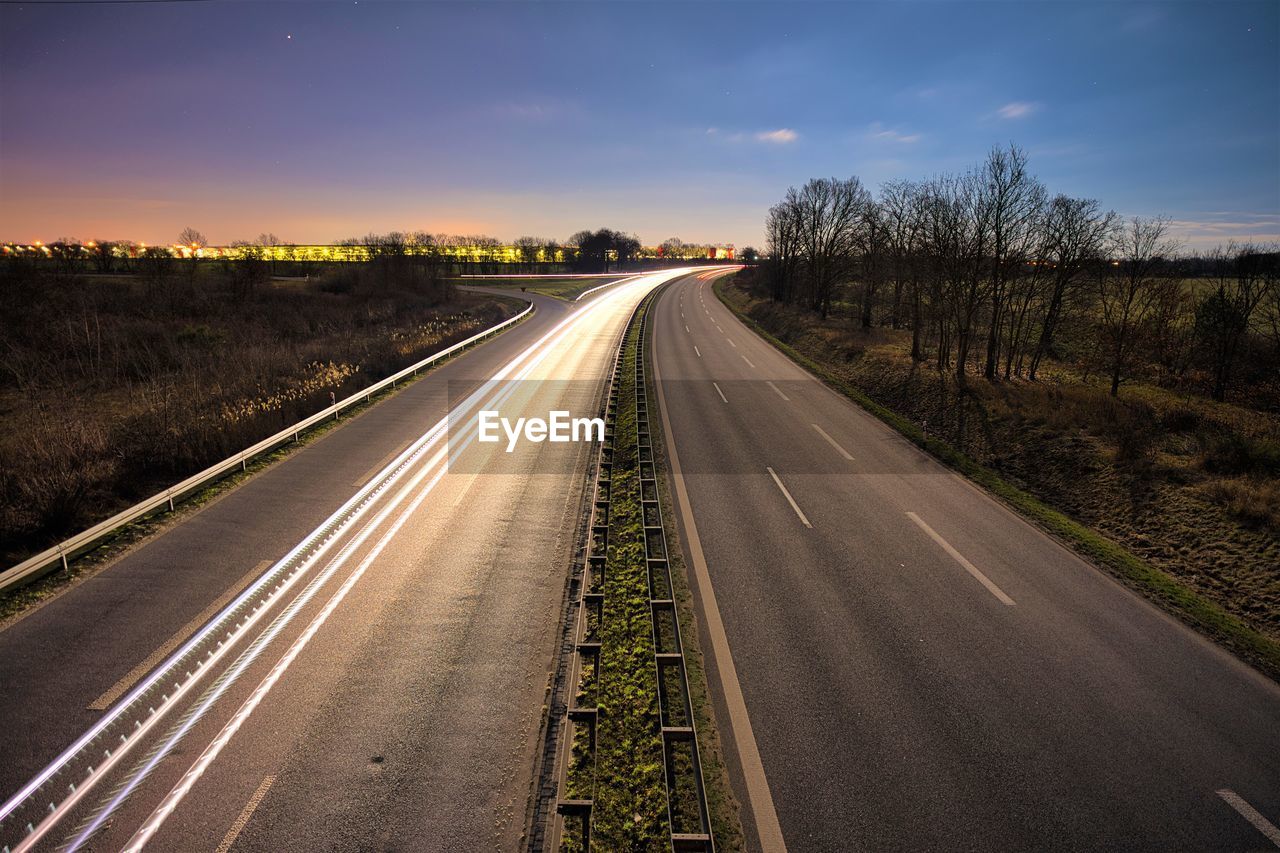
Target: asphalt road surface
(384, 603)
(904, 664)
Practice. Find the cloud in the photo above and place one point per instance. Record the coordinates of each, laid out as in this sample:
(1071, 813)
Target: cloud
(781, 136)
(1017, 109)
(879, 131)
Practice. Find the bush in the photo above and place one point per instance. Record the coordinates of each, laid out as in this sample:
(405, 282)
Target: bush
(1233, 453)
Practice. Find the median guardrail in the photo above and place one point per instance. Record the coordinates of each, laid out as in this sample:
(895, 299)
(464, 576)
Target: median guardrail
(35, 567)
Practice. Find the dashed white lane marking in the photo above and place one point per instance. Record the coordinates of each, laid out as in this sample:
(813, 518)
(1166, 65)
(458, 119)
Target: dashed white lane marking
(777, 390)
(721, 393)
(831, 441)
(731, 343)
(1251, 814)
(698, 351)
(686, 328)
(243, 820)
(790, 500)
(749, 364)
(757, 782)
(959, 558)
(118, 689)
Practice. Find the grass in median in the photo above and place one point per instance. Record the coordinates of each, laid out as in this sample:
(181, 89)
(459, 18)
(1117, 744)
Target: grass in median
(1169, 591)
(629, 811)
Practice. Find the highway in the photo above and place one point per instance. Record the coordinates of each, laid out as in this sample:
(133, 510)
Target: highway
(898, 662)
(351, 650)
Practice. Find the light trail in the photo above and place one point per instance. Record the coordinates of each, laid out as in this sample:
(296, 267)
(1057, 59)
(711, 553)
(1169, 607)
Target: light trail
(310, 550)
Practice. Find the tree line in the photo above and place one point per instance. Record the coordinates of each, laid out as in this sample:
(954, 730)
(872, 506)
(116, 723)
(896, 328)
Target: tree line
(993, 275)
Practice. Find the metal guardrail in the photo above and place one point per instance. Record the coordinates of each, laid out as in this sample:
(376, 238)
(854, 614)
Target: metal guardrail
(39, 565)
(681, 758)
(583, 711)
(682, 762)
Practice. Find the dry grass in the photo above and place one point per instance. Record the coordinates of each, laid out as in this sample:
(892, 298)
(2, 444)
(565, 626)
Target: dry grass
(112, 389)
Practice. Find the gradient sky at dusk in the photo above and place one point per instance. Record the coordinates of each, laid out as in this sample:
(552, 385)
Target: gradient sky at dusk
(323, 120)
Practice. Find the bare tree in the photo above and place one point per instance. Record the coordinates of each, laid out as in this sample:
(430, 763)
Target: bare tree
(1012, 200)
(1075, 234)
(1127, 292)
(1242, 280)
(829, 211)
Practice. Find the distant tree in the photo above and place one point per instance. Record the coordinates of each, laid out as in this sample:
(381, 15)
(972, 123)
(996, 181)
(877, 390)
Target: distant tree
(594, 247)
(1127, 291)
(250, 267)
(529, 250)
(749, 254)
(103, 253)
(270, 244)
(1242, 281)
(672, 248)
(192, 240)
(1074, 236)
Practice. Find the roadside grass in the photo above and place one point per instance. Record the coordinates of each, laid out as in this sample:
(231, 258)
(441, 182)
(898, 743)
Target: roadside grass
(567, 289)
(1191, 601)
(18, 602)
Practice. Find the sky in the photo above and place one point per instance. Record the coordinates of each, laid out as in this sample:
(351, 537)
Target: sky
(318, 121)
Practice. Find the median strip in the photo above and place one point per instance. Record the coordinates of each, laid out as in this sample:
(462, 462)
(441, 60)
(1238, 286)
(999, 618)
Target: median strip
(632, 773)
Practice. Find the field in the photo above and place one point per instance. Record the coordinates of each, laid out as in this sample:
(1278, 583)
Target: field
(114, 387)
(568, 288)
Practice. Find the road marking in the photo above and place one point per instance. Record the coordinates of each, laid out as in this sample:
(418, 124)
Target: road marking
(959, 558)
(686, 328)
(731, 343)
(236, 828)
(776, 389)
(790, 499)
(831, 441)
(462, 494)
(118, 689)
(385, 461)
(698, 351)
(1252, 815)
(749, 364)
(721, 393)
(768, 830)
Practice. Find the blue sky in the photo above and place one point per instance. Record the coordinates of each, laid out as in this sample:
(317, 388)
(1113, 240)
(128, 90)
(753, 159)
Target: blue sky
(323, 120)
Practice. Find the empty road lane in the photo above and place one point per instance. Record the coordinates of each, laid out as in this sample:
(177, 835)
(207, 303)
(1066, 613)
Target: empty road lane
(920, 669)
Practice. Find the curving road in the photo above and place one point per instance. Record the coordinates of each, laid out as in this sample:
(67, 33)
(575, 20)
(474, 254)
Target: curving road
(381, 609)
(901, 663)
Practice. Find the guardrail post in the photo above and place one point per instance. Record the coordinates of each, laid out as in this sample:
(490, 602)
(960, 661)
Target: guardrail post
(170, 492)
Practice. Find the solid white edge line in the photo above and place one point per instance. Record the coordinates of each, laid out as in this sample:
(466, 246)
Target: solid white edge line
(759, 797)
(1251, 814)
(959, 558)
(721, 393)
(803, 519)
(822, 432)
